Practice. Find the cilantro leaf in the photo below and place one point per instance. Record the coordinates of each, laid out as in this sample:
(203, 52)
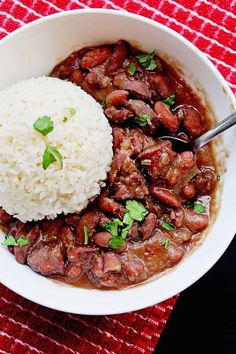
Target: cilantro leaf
(128, 221)
(43, 125)
(112, 227)
(86, 235)
(170, 100)
(165, 243)
(136, 210)
(147, 61)
(116, 242)
(143, 58)
(132, 69)
(167, 226)
(10, 241)
(143, 120)
(50, 155)
(199, 208)
(22, 241)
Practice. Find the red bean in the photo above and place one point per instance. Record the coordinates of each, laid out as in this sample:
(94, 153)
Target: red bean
(191, 119)
(95, 57)
(165, 196)
(148, 226)
(185, 160)
(76, 76)
(118, 136)
(118, 56)
(195, 222)
(161, 84)
(205, 182)
(167, 119)
(175, 254)
(109, 205)
(102, 239)
(90, 219)
(118, 115)
(117, 97)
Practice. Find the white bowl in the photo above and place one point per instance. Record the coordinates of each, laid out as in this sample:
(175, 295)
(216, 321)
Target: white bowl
(34, 50)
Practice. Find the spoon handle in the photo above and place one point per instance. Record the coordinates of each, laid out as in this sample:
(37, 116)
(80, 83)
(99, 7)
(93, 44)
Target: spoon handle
(215, 131)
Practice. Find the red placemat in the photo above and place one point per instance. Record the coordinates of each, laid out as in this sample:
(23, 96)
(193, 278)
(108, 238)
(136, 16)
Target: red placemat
(29, 328)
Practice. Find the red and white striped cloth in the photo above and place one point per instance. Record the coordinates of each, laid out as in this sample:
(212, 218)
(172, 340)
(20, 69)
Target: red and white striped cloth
(29, 328)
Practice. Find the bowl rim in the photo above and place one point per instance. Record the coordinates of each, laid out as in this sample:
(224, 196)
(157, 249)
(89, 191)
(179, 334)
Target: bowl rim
(138, 303)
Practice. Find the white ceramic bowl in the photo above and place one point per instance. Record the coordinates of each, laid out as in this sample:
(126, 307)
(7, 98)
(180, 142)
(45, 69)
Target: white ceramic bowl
(34, 50)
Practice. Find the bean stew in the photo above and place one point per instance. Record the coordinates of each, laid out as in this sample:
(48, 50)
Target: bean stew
(156, 202)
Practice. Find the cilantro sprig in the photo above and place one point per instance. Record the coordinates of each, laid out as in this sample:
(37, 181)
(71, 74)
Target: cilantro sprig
(199, 208)
(43, 125)
(51, 154)
(147, 61)
(143, 120)
(86, 235)
(170, 100)
(167, 226)
(165, 243)
(10, 241)
(135, 211)
(132, 69)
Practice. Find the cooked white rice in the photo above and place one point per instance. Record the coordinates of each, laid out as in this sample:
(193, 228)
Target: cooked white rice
(29, 192)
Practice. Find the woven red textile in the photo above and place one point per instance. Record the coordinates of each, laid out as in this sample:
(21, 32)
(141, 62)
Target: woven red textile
(29, 328)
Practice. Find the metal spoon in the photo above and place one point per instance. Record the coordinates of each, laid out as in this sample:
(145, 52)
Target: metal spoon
(196, 144)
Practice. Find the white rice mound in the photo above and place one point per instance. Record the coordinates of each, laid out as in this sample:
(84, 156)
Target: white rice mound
(29, 192)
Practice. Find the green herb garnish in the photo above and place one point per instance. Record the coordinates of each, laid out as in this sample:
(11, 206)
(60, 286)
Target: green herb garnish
(147, 61)
(132, 69)
(22, 242)
(218, 177)
(86, 235)
(116, 242)
(170, 100)
(136, 210)
(43, 125)
(143, 120)
(199, 208)
(167, 226)
(10, 241)
(128, 221)
(50, 155)
(65, 119)
(165, 243)
(112, 227)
